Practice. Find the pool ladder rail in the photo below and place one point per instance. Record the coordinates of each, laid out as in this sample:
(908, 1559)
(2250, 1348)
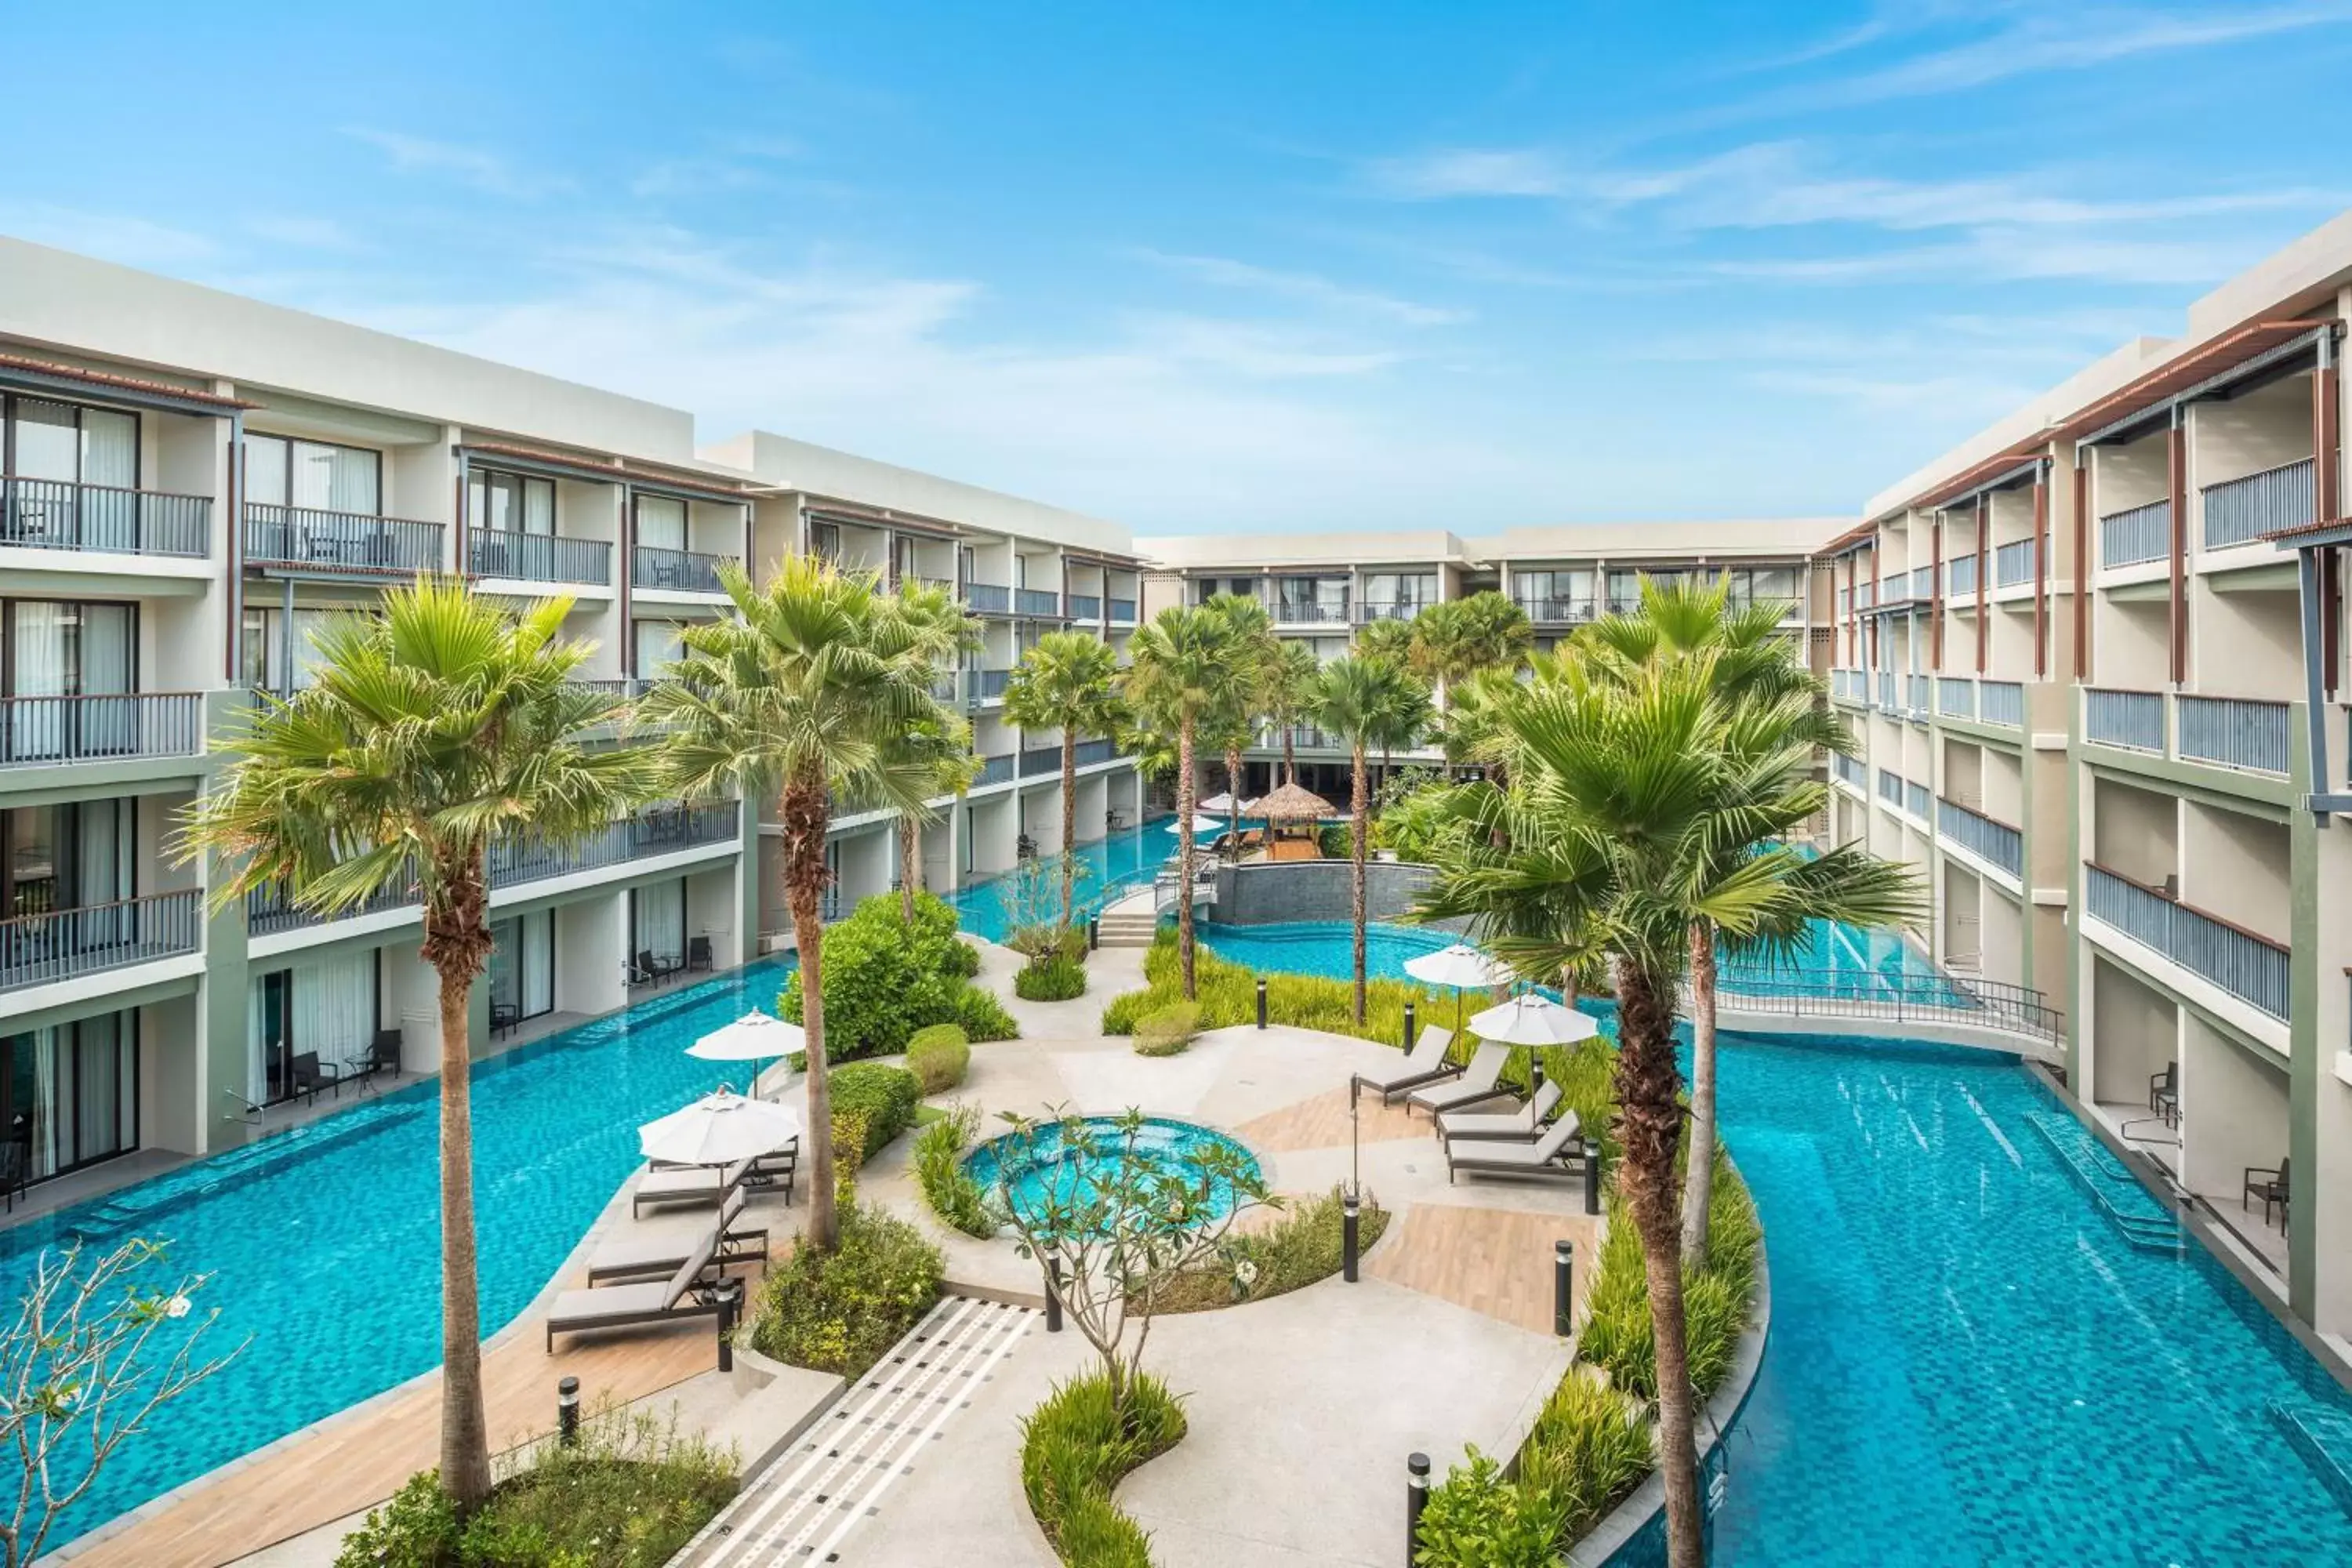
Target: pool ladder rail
(2138, 1216)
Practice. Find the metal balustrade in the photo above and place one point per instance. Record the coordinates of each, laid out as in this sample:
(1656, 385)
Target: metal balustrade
(1960, 578)
(1920, 691)
(988, 598)
(1085, 607)
(986, 685)
(941, 585)
(2240, 511)
(1886, 690)
(1865, 593)
(2234, 731)
(1092, 753)
(2133, 718)
(1036, 602)
(2013, 563)
(1035, 760)
(995, 770)
(2135, 534)
(1850, 685)
(1956, 697)
(2001, 702)
(1923, 582)
(1122, 610)
(681, 571)
(1405, 609)
(1558, 610)
(54, 514)
(1306, 612)
(100, 727)
(1890, 786)
(338, 541)
(1897, 998)
(1853, 769)
(64, 944)
(1914, 799)
(1996, 843)
(1845, 603)
(538, 557)
(2249, 967)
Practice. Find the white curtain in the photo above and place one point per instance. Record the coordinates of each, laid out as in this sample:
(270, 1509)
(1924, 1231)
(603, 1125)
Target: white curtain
(538, 506)
(661, 920)
(265, 470)
(304, 652)
(335, 478)
(538, 963)
(658, 645)
(335, 1007)
(48, 447)
(99, 1087)
(110, 457)
(46, 1044)
(256, 1041)
(661, 523)
(38, 728)
(108, 662)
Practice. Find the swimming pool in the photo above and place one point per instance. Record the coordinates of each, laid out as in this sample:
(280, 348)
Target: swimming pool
(1114, 866)
(1039, 1166)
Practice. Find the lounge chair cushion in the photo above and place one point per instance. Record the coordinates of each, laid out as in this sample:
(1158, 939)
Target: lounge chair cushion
(1479, 1083)
(1495, 1156)
(606, 1304)
(690, 1270)
(1517, 1125)
(693, 1180)
(1428, 1057)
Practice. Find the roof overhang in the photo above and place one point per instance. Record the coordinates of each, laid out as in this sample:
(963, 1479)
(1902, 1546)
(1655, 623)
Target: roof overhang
(38, 375)
(565, 465)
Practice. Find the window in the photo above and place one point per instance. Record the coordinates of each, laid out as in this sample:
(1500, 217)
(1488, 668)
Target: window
(70, 1093)
(263, 647)
(313, 476)
(657, 921)
(1566, 585)
(502, 502)
(661, 523)
(70, 443)
(1765, 585)
(66, 857)
(53, 648)
(1401, 588)
(523, 966)
(658, 643)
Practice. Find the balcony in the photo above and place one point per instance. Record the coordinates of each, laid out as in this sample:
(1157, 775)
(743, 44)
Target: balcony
(1037, 760)
(1303, 738)
(2001, 702)
(1550, 611)
(995, 770)
(2249, 967)
(674, 571)
(2240, 510)
(988, 598)
(293, 536)
(1036, 602)
(50, 514)
(64, 945)
(2013, 562)
(1093, 754)
(985, 685)
(1914, 799)
(1921, 693)
(107, 727)
(1845, 603)
(1886, 691)
(2233, 732)
(1956, 697)
(1122, 612)
(1890, 786)
(1865, 593)
(1850, 686)
(1960, 578)
(1853, 769)
(525, 859)
(2131, 718)
(1085, 607)
(538, 557)
(2135, 534)
(909, 579)
(1995, 843)
(1308, 612)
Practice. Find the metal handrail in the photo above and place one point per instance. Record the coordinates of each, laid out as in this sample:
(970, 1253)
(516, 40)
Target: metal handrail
(2240, 511)
(2013, 562)
(55, 514)
(1873, 993)
(61, 944)
(1989, 840)
(2135, 534)
(2234, 731)
(96, 726)
(2246, 964)
(684, 571)
(538, 557)
(347, 540)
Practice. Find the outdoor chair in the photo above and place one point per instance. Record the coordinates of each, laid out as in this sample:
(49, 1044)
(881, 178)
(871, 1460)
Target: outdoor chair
(685, 1294)
(2164, 1092)
(383, 1055)
(1427, 1064)
(688, 1186)
(1482, 1082)
(2270, 1186)
(1547, 1156)
(634, 1258)
(1521, 1126)
(306, 1075)
(12, 1173)
(697, 955)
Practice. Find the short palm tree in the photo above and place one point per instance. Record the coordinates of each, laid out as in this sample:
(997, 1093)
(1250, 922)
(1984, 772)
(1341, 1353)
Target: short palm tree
(1368, 700)
(1455, 638)
(1287, 689)
(1182, 670)
(1388, 637)
(1064, 682)
(1255, 647)
(800, 696)
(942, 743)
(431, 732)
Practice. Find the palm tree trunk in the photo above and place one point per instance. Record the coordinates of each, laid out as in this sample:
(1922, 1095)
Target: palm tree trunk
(456, 945)
(1357, 807)
(911, 865)
(1069, 823)
(1187, 792)
(1699, 1177)
(1289, 757)
(804, 814)
(1650, 1127)
(1233, 797)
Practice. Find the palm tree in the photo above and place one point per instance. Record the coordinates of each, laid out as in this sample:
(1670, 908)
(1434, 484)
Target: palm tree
(1388, 637)
(1368, 700)
(801, 694)
(1411, 717)
(1181, 669)
(1287, 696)
(1254, 648)
(1629, 791)
(942, 743)
(1064, 682)
(431, 731)
(1456, 639)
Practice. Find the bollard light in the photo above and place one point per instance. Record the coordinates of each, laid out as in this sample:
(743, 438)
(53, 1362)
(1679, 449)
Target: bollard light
(1563, 1270)
(730, 1293)
(1416, 1498)
(1408, 1025)
(1053, 1294)
(567, 1411)
(1094, 932)
(1261, 1001)
(1349, 1220)
(1592, 1176)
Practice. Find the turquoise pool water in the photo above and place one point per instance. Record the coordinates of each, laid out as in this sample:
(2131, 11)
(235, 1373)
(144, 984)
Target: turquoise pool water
(1113, 866)
(1038, 1167)
(1970, 1362)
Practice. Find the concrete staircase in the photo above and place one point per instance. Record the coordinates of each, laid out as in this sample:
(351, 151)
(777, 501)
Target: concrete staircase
(1124, 928)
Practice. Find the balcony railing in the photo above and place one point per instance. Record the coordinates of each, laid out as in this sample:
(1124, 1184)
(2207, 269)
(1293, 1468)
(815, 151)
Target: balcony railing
(2234, 731)
(2013, 563)
(1558, 610)
(1996, 843)
(995, 770)
(1036, 602)
(525, 857)
(338, 541)
(1956, 697)
(1850, 684)
(2138, 533)
(1890, 786)
(1122, 610)
(1921, 693)
(1085, 607)
(1886, 690)
(1035, 760)
(1308, 612)
(1865, 593)
(1853, 769)
(2001, 702)
(50, 514)
(988, 598)
(2249, 967)
(1914, 799)
(681, 571)
(942, 584)
(104, 726)
(986, 685)
(2240, 511)
(1093, 753)
(1960, 578)
(1401, 610)
(62, 945)
(1845, 603)
(2133, 718)
(538, 557)
(1875, 994)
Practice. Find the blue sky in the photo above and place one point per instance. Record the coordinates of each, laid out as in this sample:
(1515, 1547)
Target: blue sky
(1227, 267)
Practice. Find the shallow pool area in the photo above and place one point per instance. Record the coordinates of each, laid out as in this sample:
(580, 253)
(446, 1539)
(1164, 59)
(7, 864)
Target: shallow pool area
(1112, 867)
(1039, 1166)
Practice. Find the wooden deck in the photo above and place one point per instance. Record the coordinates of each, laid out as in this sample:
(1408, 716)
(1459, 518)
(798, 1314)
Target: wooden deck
(1321, 1122)
(1495, 1261)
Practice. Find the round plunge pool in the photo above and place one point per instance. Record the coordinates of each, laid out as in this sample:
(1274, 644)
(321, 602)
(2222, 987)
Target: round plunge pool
(1042, 1166)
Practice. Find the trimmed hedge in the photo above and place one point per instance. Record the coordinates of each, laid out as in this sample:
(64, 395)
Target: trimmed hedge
(885, 1095)
(938, 1056)
(884, 979)
(1055, 978)
(1168, 1031)
(1073, 1452)
(838, 1311)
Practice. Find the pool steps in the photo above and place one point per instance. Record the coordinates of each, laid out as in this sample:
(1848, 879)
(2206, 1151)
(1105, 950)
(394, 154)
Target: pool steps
(2322, 1438)
(2135, 1213)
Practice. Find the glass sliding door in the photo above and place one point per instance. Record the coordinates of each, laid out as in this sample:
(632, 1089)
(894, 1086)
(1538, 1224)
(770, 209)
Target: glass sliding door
(523, 968)
(85, 463)
(657, 921)
(52, 654)
(69, 1093)
(328, 1007)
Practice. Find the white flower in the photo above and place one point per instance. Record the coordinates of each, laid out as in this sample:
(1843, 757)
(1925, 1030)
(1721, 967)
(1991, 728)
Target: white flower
(1246, 1272)
(177, 1306)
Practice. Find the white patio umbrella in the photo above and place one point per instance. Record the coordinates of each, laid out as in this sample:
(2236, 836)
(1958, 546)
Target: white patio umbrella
(1201, 824)
(1462, 967)
(719, 1129)
(1225, 803)
(1529, 1019)
(753, 1037)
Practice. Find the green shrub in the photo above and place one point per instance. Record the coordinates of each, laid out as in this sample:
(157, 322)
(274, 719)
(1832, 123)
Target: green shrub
(1302, 1246)
(415, 1528)
(983, 1018)
(884, 979)
(1074, 1451)
(1118, 1014)
(838, 1311)
(1590, 1447)
(1055, 978)
(1166, 1033)
(1334, 841)
(885, 1096)
(938, 1056)
(1477, 1519)
(953, 1195)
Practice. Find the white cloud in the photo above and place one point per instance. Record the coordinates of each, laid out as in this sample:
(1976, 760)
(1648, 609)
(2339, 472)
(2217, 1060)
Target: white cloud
(473, 166)
(301, 230)
(1306, 287)
(114, 237)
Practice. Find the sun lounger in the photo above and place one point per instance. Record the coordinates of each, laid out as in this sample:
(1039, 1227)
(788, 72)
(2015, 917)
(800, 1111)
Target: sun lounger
(1483, 1081)
(685, 1294)
(627, 1257)
(1547, 1156)
(704, 1187)
(1427, 1064)
(1515, 1126)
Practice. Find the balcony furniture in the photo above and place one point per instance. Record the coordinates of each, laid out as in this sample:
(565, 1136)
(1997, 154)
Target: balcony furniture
(697, 955)
(504, 1016)
(1426, 1065)
(306, 1075)
(358, 541)
(1481, 1082)
(383, 1055)
(630, 1257)
(2269, 1185)
(688, 1186)
(684, 571)
(55, 514)
(650, 971)
(2164, 1093)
